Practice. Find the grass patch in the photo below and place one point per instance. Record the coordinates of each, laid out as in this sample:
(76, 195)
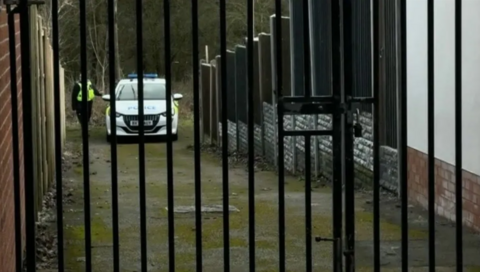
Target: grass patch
(388, 231)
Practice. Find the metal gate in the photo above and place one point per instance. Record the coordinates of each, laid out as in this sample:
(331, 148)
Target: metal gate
(341, 105)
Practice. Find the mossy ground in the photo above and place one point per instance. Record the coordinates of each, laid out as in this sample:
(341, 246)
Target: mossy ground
(266, 214)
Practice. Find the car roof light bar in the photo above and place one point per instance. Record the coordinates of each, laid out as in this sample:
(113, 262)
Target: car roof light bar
(132, 76)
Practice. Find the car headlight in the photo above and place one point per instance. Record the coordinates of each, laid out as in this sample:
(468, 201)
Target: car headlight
(165, 113)
(118, 115)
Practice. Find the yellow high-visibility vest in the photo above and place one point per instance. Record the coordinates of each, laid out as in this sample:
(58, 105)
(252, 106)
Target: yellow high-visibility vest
(91, 92)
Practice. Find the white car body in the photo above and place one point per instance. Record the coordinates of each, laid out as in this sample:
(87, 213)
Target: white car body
(155, 117)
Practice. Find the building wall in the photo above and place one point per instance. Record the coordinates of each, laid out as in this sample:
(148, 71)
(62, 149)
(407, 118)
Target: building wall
(7, 227)
(444, 106)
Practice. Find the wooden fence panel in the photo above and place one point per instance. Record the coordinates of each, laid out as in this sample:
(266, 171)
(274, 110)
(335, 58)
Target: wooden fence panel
(62, 106)
(241, 82)
(50, 117)
(43, 108)
(213, 104)
(43, 117)
(265, 67)
(286, 62)
(205, 99)
(35, 120)
(218, 95)
(231, 97)
(257, 99)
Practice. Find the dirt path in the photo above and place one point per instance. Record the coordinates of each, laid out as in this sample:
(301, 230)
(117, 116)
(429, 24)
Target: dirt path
(266, 217)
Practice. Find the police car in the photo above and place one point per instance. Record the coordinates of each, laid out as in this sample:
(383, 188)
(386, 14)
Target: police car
(155, 107)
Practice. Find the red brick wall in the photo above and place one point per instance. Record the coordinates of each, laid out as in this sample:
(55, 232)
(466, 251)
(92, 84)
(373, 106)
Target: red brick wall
(7, 227)
(444, 188)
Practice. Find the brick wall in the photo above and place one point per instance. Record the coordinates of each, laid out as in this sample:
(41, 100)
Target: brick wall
(7, 227)
(444, 188)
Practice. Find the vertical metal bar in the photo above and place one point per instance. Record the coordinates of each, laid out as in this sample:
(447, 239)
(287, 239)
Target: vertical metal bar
(431, 135)
(169, 100)
(16, 143)
(196, 133)
(85, 145)
(402, 149)
(376, 135)
(280, 131)
(225, 182)
(27, 136)
(337, 135)
(458, 136)
(141, 134)
(308, 150)
(313, 37)
(113, 134)
(398, 84)
(251, 139)
(58, 134)
(348, 134)
(308, 201)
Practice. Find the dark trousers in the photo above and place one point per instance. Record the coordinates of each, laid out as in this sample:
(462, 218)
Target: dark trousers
(80, 112)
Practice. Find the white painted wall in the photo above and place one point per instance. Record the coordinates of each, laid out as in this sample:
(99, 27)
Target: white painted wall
(444, 80)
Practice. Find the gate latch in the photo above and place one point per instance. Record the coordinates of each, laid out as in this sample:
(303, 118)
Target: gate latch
(320, 239)
(357, 127)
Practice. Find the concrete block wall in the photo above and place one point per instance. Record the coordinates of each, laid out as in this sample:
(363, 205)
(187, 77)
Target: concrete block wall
(322, 157)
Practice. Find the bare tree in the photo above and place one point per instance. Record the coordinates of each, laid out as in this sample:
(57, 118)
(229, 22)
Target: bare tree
(118, 70)
(98, 40)
(154, 48)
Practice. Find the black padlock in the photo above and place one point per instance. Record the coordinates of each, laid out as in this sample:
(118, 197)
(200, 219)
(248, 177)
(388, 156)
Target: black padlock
(357, 130)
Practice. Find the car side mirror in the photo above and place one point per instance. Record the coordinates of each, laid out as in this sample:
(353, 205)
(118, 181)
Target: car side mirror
(106, 97)
(177, 97)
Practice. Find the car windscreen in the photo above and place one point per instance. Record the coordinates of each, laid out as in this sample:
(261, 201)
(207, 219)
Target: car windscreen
(151, 91)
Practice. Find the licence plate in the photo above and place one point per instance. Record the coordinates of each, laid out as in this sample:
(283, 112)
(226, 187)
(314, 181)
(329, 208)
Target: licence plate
(146, 123)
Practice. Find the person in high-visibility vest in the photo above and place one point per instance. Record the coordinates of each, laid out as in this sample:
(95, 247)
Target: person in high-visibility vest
(77, 99)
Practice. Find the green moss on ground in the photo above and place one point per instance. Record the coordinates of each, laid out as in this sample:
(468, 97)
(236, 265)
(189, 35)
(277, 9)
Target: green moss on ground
(78, 170)
(266, 209)
(388, 231)
(417, 269)
(101, 234)
(74, 133)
